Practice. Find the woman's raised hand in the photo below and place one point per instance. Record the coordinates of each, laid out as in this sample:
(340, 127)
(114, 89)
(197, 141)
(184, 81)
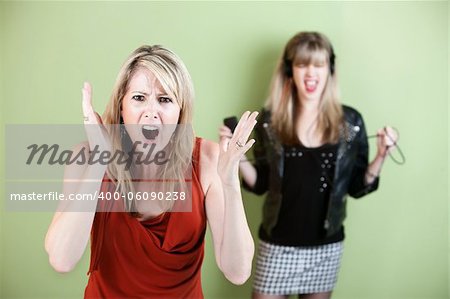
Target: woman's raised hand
(234, 146)
(95, 130)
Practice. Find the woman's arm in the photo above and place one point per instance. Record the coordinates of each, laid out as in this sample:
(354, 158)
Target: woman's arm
(386, 141)
(70, 228)
(69, 231)
(233, 242)
(365, 175)
(248, 172)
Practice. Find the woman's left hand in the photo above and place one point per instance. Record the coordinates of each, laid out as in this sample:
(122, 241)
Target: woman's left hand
(386, 141)
(233, 149)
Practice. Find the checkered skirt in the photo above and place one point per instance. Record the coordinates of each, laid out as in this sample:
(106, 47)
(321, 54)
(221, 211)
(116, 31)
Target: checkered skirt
(285, 270)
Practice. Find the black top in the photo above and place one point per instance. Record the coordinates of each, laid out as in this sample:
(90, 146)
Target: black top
(349, 175)
(307, 180)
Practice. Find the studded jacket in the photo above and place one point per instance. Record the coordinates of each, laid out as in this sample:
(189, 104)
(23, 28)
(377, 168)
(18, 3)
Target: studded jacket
(349, 175)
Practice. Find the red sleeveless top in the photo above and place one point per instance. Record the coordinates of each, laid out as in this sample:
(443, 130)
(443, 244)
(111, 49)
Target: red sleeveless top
(157, 258)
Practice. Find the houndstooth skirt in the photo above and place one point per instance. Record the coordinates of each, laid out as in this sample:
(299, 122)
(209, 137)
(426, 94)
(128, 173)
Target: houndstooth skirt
(285, 270)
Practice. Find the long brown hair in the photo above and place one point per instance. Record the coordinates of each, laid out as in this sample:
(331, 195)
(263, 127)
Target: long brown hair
(304, 48)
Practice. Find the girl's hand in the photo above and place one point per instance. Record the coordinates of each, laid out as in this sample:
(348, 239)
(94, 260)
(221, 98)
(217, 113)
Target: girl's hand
(386, 141)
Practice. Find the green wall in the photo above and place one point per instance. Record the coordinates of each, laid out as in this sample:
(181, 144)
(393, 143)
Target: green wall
(393, 66)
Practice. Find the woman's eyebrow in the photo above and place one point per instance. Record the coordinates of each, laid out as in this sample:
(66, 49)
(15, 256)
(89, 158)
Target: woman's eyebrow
(142, 92)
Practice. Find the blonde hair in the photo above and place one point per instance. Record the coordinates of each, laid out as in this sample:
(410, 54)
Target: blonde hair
(174, 77)
(304, 48)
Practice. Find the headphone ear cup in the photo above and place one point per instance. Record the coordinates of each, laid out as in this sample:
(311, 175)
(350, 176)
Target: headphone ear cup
(287, 65)
(332, 61)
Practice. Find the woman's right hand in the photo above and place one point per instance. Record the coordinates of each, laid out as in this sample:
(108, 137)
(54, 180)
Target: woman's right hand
(95, 130)
(69, 233)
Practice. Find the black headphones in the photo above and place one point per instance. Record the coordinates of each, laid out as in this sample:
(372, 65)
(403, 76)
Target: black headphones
(287, 63)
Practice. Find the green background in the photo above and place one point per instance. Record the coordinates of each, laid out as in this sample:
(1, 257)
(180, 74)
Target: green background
(392, 61)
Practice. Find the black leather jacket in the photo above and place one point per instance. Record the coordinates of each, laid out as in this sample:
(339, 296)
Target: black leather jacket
(349, 176)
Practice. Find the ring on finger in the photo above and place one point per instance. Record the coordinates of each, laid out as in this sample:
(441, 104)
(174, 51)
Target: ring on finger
(239, 144)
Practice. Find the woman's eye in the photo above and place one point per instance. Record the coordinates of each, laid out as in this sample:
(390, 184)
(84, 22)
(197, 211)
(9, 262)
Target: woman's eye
(138, 98)
(165, 100)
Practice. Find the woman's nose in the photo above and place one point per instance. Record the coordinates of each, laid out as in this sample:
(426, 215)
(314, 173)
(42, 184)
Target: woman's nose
(310, 69)
(151, 110)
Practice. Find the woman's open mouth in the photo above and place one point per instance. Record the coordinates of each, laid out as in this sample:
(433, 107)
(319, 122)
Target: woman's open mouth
(150, 132)
(311, 85)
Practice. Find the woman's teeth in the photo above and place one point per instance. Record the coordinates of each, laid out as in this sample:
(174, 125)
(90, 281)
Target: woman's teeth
(311, 85)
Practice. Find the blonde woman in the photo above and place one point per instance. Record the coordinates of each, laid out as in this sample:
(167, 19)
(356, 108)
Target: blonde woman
(143, 248)
(311, 152)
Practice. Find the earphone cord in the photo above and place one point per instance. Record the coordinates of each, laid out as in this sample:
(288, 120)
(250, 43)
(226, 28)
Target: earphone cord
(402, 159)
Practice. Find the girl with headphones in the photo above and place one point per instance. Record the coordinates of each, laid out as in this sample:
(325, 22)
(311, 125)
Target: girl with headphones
(310, 153)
